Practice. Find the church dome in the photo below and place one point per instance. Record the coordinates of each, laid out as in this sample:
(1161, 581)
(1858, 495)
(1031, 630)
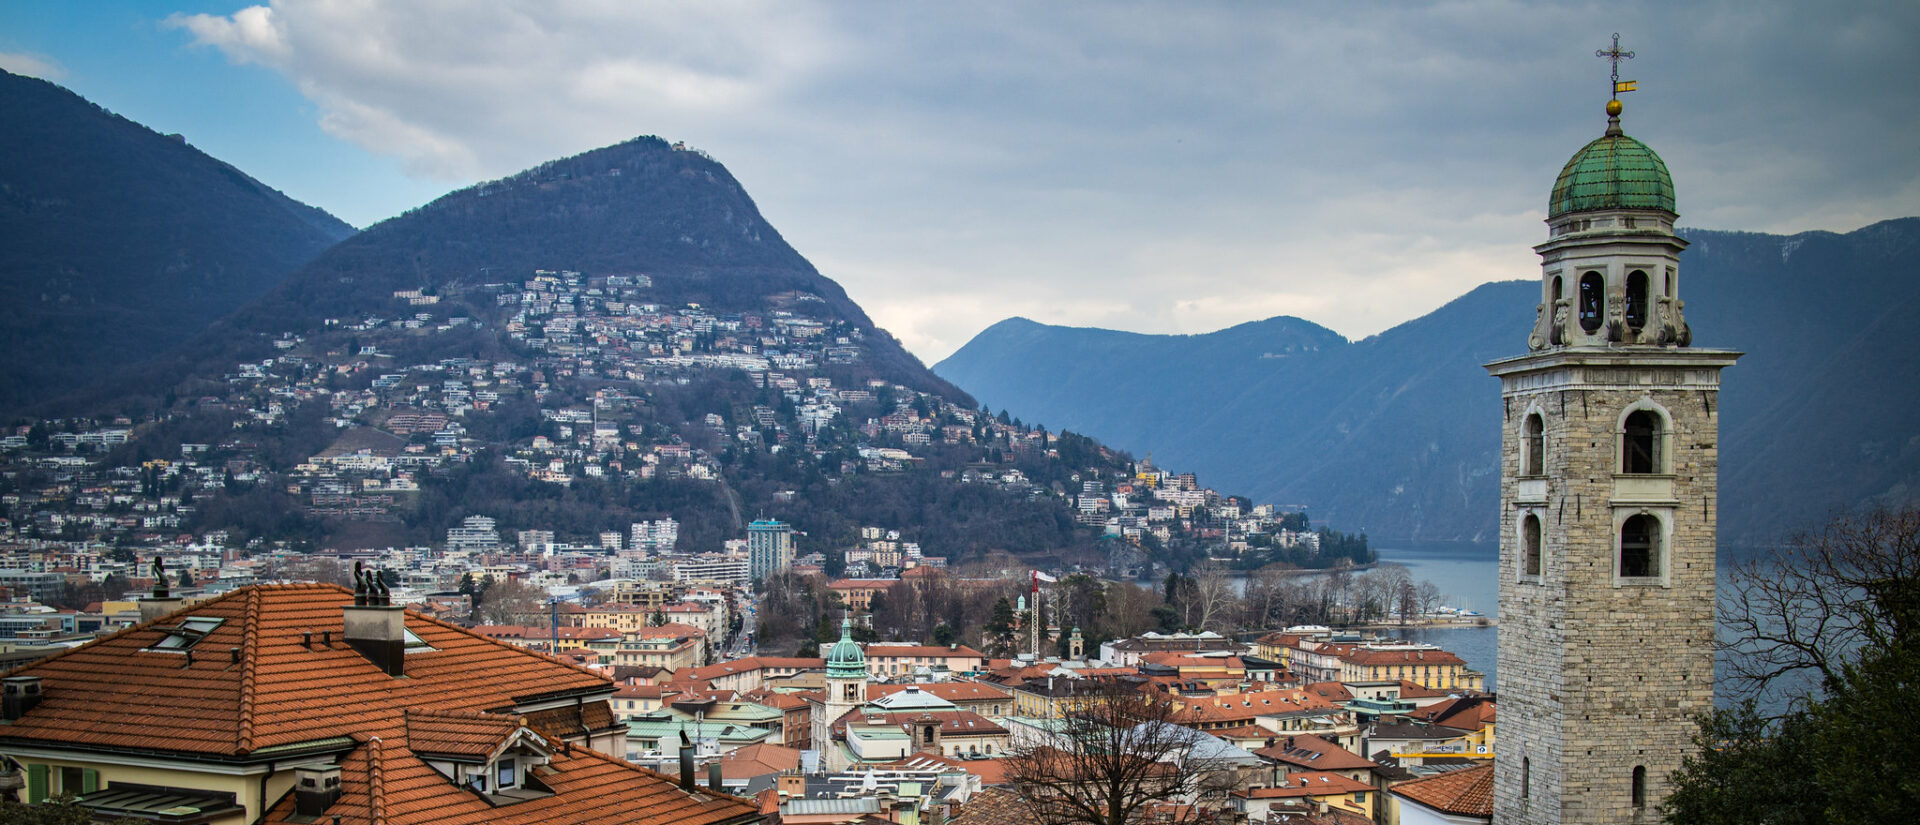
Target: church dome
(844, 659)
(1612, 172)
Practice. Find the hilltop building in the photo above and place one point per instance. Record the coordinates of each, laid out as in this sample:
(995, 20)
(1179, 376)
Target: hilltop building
(1608, 502)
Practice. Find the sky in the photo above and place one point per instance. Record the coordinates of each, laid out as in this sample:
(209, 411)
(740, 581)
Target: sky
(1154, 167)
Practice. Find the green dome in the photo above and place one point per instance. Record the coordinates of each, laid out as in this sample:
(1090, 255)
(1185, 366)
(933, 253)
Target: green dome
(1613, 172)
(844, 659)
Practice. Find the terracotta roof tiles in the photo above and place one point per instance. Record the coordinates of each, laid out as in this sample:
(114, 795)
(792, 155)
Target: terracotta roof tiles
(1467, 792)
(271, 668)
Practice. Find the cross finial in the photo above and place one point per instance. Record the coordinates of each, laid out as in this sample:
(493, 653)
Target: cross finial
(1614, 56)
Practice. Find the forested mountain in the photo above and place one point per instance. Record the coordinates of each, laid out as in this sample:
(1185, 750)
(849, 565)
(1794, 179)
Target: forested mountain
(1397, 433)
(117, 242)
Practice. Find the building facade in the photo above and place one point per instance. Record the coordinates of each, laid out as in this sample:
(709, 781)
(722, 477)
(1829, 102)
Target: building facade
(1609, 461)
(769, 548)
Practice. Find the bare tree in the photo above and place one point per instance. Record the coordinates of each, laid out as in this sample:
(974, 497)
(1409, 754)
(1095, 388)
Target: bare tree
(512, 601)
(1427, 595)
(1264, 596)
(1129, 610)
(1398, 590)
(1113, 756)
(1808, 608)
(1211, 601)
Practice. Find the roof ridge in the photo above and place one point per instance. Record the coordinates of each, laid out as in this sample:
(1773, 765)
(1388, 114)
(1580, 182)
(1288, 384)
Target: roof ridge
(250, 646)
(412, 614)
(376, 783)
(126, 630)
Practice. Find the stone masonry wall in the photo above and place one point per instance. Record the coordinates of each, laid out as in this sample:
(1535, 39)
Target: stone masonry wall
(1596, 675)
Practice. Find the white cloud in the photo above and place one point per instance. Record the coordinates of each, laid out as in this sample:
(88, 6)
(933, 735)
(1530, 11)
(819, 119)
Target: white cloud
(32, 65)
(1165, 169)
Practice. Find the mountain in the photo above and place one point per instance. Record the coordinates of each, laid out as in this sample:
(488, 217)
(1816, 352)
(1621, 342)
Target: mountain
(1397, 434)
(117, 242)
(643, 207)
(594, 345)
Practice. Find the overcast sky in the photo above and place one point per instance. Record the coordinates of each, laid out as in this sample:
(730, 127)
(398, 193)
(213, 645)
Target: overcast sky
(1157, 167)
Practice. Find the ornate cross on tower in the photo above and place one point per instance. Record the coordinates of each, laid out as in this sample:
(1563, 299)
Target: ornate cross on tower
(1614, 56)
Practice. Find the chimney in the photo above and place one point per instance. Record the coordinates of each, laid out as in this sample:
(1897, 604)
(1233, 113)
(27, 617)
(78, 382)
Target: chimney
(161, 601)
(375, 628)
(713, 775)
(18, 694)
(686, 766)
(315, 789)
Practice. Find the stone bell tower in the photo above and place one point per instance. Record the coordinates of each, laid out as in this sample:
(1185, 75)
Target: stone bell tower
(1609, 462)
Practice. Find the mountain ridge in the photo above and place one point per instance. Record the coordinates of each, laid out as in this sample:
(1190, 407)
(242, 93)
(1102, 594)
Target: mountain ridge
(1397, 432)
(193, 238)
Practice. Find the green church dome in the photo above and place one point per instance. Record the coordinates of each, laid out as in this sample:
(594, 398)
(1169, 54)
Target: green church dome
(1613, 172)
(844, 659)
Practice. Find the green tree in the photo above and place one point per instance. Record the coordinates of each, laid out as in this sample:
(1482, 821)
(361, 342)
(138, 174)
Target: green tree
(61, 810)
(1841, 603)
(1000, 629)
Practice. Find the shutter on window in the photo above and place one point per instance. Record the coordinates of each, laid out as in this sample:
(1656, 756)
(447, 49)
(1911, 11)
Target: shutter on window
(36, 784)
(89, 781)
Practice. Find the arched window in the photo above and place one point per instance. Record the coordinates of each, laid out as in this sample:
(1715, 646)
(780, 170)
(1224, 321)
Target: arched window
(1593, 301)
(1558, 289)
(1530, 545)
(1636, 299)
(1640, 443)
(1533, 446)
(1639, 786)
(1640, 547)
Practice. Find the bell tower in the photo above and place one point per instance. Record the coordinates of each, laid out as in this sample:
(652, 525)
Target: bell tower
(1608, 496)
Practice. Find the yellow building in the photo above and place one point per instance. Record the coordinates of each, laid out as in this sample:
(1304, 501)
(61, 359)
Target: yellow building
(1424, 666)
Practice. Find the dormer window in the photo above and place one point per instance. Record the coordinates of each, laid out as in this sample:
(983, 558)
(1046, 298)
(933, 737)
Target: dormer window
(186, 634)
(489, 755)
(506, 773)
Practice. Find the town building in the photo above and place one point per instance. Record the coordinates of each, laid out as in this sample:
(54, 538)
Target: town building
(306, 703)
(1608, 498)
(769, 548)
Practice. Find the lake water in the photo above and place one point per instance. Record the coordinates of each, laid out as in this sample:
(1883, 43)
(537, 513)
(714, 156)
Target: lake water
(1468, 577)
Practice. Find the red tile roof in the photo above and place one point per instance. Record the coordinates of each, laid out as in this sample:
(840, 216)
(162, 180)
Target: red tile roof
(1468, 792)
(472, 737)
(887, 651)
(1315, 753)
(955, 692)
(1371, 657)
(268, 675)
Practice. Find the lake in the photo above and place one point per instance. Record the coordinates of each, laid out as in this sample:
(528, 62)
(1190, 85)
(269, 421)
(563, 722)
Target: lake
(1467, 574)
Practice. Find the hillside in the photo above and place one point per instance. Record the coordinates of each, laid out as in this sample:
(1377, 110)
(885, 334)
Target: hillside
(1396, 433)
(641, 207)
(117, 242)
(604, 342)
